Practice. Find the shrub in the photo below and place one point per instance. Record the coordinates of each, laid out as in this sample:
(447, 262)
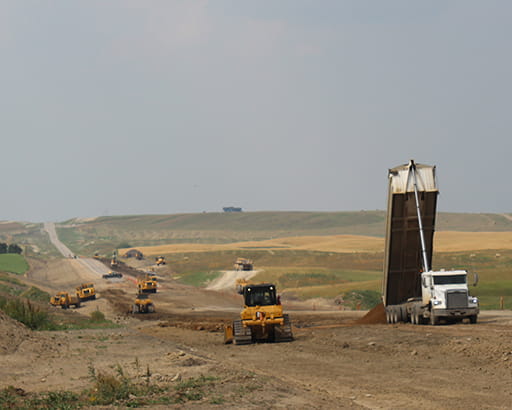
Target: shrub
(97, 316)
(26, 313)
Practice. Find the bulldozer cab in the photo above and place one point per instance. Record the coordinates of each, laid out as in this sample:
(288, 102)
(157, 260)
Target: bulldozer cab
(260, 295)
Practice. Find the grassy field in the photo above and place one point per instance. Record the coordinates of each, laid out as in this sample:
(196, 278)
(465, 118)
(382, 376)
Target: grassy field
(13, 263)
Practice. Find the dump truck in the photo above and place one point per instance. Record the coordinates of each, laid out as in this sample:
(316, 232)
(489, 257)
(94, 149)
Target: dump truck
(146, 285)
(86, 291)
(262, 318)
(143, 304)
(243, 264)
(411, 291)
(65, 300)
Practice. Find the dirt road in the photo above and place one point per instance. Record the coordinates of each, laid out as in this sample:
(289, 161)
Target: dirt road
(333, 363)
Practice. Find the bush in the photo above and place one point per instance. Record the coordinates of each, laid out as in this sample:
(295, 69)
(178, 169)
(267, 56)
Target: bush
(97, 316)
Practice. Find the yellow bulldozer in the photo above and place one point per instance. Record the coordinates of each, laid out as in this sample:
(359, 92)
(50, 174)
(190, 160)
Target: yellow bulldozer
(86, 291)
(65, 300)
(262, 318)
(143, 304)
(146, 285)
(160, 260)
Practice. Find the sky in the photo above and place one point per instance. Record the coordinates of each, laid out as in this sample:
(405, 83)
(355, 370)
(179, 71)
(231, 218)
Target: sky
(115, 107)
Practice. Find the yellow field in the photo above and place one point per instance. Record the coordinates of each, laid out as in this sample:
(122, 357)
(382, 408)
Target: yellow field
(444, 242)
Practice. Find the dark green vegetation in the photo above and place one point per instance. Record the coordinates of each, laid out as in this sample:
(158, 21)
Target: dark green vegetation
(10, 248)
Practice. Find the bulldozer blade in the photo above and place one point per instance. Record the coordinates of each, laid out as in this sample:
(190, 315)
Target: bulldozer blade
(228, 334)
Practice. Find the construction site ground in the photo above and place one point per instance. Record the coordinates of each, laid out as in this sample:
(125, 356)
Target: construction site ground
(337, 360)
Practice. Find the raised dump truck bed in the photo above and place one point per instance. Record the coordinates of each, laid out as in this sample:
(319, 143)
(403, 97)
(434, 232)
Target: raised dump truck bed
(403, 251)
(412, 291)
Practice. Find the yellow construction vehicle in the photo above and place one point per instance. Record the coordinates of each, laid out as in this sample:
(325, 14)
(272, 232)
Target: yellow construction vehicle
(65, 300)
(86, 291)
(113, 261)
(160, 260)
(262, 318)
(243, 264)
(146, 285)
(143, 304)
(150, 275)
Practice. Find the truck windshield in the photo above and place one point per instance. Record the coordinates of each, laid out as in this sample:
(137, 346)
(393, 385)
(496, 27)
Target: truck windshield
(450, 280)
(255, 296)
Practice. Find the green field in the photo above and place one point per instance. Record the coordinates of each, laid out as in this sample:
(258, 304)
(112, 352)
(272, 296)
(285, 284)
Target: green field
(13, 263)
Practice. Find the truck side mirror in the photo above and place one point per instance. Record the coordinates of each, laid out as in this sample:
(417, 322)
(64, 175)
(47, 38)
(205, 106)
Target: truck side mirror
(475, 279)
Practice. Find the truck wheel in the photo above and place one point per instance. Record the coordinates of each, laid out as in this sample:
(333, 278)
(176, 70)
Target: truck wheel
(473, 319)
(398, 315)
(388, 316)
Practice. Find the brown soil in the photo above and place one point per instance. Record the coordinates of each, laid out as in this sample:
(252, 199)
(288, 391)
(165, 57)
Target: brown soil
(374, 316)
(13, 333)
(337, 360)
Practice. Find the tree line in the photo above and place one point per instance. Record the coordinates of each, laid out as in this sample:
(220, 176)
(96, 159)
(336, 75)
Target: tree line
(10, 248)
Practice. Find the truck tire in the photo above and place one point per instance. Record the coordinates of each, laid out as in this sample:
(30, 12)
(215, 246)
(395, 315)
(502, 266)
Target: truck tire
(473, 319)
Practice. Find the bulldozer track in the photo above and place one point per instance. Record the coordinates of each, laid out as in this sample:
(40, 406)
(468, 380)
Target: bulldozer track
(242, 335)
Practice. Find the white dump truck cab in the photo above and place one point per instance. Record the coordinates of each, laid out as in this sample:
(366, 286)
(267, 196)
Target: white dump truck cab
(447, 295)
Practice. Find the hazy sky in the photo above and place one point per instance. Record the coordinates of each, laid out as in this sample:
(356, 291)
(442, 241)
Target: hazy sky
(115, 107)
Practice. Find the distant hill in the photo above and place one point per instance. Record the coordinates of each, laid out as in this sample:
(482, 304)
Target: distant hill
(106, 233)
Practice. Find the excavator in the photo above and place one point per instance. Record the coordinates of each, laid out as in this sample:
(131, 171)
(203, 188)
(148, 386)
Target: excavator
(262, 318)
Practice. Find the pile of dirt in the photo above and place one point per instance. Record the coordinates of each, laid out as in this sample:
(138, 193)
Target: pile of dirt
(375, 316)
(13, 333)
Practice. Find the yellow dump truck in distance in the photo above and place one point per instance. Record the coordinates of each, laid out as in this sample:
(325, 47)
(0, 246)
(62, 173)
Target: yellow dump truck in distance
(86, 291)
(65, 300)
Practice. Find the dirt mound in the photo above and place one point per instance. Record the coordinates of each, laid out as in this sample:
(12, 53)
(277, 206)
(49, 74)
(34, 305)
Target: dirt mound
(13, 333)
(375, 316)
